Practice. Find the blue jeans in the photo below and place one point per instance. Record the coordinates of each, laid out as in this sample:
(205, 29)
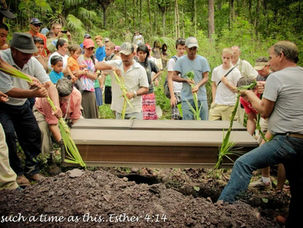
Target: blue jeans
(98, 93)
(281, 149)
(189, 115)
(19, 122)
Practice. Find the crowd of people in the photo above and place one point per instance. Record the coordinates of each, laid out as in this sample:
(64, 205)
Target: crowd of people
(76, 76)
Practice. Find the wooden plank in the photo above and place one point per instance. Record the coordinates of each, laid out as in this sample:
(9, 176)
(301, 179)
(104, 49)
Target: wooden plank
(155, 125)
(184, 125)
(102, 124)
(156, 138)
(153, 156)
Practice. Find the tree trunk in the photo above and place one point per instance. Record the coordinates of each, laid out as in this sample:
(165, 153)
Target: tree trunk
(125, 13)
(211, 19)
(195, 16)
(140, 21)
(177, 21)
(163, 22)
(231, 13)
(134, 17)
(256, 21)
(104, 16)
(149, 17)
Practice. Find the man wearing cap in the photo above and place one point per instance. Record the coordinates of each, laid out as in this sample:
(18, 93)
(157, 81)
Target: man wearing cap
(34, 30)
(282, 103)
(199, 65)
(70, 103)
(16, 116)
(135, 79)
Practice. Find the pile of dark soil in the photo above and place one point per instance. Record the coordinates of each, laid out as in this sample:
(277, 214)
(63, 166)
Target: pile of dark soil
(101, 199)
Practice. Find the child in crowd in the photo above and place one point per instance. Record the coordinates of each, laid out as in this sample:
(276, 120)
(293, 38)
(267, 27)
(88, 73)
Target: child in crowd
(73, 67)
(224, 81)
(40, 54)
(57, 66)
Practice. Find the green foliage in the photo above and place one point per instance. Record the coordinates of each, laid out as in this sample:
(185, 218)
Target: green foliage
(105, 112)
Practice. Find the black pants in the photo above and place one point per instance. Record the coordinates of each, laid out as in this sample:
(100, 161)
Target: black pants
(294, 174)
(19, 123)
(108, 95)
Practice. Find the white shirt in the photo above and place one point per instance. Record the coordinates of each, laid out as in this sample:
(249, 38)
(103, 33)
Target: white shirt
(224, 96)
(246, 69)
(170, 67)
(134, 78)
(65, 57)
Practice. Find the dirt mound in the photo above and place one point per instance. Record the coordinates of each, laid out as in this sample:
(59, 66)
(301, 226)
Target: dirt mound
(101, 199)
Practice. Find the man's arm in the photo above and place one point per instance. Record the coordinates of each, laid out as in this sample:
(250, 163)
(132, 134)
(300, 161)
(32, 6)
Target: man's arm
(201, 83)
(170, 84)
(213, 91)
(139, 92)
(264, 106)
(228, 84)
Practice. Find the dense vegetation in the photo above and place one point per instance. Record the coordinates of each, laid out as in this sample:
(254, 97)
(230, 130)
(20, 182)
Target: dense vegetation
(254, 25)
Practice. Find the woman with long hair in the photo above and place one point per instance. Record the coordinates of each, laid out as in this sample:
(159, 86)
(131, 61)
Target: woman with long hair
(148, 100)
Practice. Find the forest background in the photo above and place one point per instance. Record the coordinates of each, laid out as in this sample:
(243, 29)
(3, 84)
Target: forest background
(254, 25)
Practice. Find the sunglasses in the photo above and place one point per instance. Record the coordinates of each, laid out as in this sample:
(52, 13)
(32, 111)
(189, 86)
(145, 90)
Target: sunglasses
(90, 49)
(36, 25)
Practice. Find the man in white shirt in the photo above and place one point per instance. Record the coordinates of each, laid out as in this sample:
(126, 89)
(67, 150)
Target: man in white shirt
(224, 81)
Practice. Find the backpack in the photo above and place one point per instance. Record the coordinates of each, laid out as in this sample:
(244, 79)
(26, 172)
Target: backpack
(166, 89)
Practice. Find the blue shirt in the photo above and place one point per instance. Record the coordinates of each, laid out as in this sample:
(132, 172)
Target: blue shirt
(54, 76)
(199, 66)
(100, 53)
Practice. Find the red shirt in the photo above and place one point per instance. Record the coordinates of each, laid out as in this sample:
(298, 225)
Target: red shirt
(247, 105)
(73, 112)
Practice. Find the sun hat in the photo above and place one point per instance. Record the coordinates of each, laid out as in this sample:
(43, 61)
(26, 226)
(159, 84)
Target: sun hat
(88, 43)
(191, 42)
(23, 42)
(126, 48)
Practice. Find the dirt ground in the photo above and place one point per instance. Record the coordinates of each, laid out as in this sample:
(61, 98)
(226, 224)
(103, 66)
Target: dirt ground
(123, 197)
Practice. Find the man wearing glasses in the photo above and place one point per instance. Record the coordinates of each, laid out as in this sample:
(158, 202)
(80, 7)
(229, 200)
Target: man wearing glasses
(34, 30)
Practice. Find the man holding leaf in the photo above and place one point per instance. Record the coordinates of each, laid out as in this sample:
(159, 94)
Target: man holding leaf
(16, 115)
(199, 65)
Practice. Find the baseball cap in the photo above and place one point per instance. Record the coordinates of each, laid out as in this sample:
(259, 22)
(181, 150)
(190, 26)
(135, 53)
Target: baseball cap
(191, 42)
(261, 63)
(127, 48)
(36, 21)
(88, 43)
(87, 36)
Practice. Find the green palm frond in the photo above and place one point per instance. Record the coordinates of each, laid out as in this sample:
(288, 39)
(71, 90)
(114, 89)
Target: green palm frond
(86, 14)
(70, 3)
(75, 24)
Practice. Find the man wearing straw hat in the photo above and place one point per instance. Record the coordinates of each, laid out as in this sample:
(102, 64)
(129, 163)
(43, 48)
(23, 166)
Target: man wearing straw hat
(16, 115)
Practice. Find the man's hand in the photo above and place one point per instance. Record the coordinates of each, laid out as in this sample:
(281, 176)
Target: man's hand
(40, 92)
(130, 95)
(35, 82)
(117, 71)
(260, 86)
(189, 81)
(3, 97)
(58, 112)
(195, 89)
